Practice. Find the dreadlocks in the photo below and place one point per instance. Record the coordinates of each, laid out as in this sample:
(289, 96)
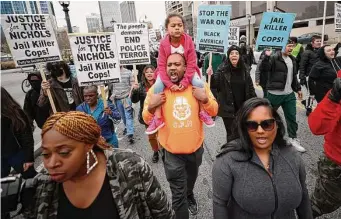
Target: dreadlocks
(78, 126)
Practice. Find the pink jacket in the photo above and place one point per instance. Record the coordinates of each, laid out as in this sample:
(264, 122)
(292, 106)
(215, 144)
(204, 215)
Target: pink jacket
(190, 56)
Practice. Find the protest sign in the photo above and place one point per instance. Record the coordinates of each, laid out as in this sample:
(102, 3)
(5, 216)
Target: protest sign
(213, 26)
(233, 36)
(274, 30)
(95, 58)
(31, 38)
(133, 43)
(337, 17)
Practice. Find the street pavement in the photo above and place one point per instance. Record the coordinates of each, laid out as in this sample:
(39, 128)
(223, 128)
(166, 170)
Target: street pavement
(214, 138)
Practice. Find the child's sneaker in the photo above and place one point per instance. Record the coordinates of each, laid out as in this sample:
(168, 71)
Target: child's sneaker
(205, 118)
(154, 125)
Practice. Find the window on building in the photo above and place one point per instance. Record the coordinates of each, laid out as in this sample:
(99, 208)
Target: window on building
(300, 24)
(6, 7)
(19, 7)
(44, 7)
(328, 21)
(33, 8)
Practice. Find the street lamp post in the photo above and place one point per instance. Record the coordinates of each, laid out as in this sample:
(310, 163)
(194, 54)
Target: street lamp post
(249, 19)
(65, 5)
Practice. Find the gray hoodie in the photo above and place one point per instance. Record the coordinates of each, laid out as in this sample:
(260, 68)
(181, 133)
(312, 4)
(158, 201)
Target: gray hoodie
(243, 189)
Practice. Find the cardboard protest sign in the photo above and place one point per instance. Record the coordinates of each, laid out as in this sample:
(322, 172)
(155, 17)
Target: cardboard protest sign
(274, 30)
(133, 43)
(233, 36)
(337, 17)
(31, 38)
(213, 26)
(95, 57)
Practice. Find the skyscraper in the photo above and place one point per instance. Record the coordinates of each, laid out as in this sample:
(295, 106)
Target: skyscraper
(27, 7)
(93, 21)
(110, 12)
(128, 12)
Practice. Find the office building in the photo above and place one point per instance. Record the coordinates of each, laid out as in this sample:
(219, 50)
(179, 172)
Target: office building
(128, 12)
(27, 7)
(110, 14)
(93, 21)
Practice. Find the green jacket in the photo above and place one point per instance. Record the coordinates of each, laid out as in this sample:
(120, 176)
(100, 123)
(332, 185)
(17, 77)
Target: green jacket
(136, 191)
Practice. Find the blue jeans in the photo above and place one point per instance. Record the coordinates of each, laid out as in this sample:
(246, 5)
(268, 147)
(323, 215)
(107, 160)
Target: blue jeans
(159, 86)
(126, 114)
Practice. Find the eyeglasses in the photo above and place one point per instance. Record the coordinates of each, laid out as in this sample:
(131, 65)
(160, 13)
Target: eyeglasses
(267, 125)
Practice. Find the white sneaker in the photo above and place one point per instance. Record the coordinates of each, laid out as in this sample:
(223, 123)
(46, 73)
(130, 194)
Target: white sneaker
(296, 143)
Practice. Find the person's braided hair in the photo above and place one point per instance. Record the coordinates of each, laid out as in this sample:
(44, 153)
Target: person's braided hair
(78, 126)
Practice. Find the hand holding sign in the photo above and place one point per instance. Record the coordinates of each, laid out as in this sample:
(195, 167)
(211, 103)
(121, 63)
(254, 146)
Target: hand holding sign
(45, 85)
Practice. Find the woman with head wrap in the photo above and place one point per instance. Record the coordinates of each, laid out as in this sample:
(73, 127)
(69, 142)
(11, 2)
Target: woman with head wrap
(82, 181)
(324, 72)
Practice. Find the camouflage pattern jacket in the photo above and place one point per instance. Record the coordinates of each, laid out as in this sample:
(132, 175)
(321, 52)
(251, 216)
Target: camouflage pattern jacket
(136, 191)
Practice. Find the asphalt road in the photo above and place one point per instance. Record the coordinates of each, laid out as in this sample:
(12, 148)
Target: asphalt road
(214, 138)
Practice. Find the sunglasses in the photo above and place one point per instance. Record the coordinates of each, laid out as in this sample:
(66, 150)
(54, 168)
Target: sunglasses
(267, 125)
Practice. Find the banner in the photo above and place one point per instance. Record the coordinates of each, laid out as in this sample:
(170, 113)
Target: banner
(95, 58)
(31, 38)
(233, 36)
(274, 30)
(337, 17)
(133, 43)
(213, 26)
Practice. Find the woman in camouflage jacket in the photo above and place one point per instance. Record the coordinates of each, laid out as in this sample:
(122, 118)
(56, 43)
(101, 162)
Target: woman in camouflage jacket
(78, 160)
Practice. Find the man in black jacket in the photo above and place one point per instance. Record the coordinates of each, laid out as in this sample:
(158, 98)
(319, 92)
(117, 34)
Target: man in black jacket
(308, 59)
(281, 84)
(31, 108)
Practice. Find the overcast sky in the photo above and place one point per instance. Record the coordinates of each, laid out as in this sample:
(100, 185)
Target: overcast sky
(155, 11)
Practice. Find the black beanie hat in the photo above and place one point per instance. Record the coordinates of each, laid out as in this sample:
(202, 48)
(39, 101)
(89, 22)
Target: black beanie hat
(233, 47)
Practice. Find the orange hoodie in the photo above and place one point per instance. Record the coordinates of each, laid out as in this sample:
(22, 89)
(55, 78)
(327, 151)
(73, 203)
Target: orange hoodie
(183, 132)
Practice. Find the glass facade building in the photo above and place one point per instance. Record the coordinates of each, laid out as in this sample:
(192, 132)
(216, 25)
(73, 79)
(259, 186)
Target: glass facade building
(44, 7)
(26, 7)
(6, 7)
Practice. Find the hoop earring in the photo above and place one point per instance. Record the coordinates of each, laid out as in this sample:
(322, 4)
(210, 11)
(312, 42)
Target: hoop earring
(88, 168)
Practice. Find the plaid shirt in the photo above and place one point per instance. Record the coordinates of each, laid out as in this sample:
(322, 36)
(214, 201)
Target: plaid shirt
(136, 191)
